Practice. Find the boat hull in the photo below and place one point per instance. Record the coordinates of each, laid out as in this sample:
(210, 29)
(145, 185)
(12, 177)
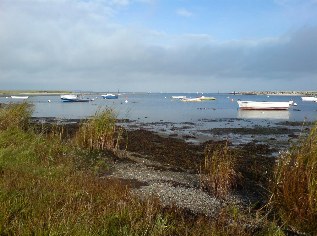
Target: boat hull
(73, 98)
(203, 98)
(178, 97)
(252, 105)
(190, 100)
(110, 96)
(309, 99)
(19, 97)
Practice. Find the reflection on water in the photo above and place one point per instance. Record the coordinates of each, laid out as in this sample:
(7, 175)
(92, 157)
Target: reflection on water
(254, 114)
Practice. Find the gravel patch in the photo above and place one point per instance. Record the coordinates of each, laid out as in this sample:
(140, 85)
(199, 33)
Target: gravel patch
(173, 188)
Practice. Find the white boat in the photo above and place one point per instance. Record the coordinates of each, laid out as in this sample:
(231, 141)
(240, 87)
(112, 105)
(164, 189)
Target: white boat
(309, 99)
(191, 100)
(253, 105)
(19, 97)
(203, 98)
(110, 96)
(178, 97)
(73, 98)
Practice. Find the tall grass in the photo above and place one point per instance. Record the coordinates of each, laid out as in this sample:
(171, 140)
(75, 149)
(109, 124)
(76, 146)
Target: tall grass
(15, 115)
(219, 173)
(294, 187)
(100, 132)
(43, 192)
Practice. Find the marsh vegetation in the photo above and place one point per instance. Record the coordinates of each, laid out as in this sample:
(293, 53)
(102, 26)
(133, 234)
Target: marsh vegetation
(50, 184)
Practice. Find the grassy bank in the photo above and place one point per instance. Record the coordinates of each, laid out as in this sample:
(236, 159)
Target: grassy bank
(50, 185)
(294, 187)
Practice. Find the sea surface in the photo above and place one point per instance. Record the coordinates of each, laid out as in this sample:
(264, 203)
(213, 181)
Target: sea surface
(160, 107)
(195, 122)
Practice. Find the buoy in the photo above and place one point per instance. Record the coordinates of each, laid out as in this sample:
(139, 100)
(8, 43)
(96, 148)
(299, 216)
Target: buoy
(49, 100)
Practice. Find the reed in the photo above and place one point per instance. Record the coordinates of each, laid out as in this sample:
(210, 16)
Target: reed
(294, 186)
(100, 132)
(219, 175)
(15, 115)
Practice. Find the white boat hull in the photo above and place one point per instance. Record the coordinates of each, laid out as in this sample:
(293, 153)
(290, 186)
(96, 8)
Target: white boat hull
(309, 99)
(110, 96)
(19, 97)
(203, 98)
(252, 105)
(178, 97)
(73, 98)
(191, 100)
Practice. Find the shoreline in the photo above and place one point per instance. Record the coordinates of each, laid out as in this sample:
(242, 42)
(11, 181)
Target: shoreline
(57, 92)
(167, 166)
(279, 93)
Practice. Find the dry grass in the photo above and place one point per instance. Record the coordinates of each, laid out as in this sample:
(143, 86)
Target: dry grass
(294, 188)
(219, 173)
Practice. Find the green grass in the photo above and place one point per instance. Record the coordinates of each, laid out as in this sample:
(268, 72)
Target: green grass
(52, 186)
(294, 187)
(42, 191)
(15, 115)
(48, 195)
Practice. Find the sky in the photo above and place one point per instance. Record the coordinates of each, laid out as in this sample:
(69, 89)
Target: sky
(158, 45)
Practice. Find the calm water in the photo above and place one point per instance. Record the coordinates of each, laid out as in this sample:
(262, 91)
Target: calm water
(156, 107)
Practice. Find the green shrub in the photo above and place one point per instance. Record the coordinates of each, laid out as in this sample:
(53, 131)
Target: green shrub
(294, 187)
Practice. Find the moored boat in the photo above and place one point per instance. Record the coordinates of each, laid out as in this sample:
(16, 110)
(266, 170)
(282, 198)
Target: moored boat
(253, 105)
(203, 98)
(19, 97)
(191, 100)
(110, 96)
(73, 98)
(198, 99)
(178, 97)
(309, 99)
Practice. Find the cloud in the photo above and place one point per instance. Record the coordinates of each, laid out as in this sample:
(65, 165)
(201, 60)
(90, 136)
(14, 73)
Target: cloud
(76, 45)
(184, 12)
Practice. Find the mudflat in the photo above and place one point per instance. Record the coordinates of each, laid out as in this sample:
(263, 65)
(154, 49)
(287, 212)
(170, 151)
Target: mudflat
(166, 163)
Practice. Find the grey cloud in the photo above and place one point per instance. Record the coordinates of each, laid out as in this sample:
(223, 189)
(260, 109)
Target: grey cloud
(81, 48)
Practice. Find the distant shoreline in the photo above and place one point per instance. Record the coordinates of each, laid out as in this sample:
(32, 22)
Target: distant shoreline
(57, 92)
(31, 92)
(280, 93)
